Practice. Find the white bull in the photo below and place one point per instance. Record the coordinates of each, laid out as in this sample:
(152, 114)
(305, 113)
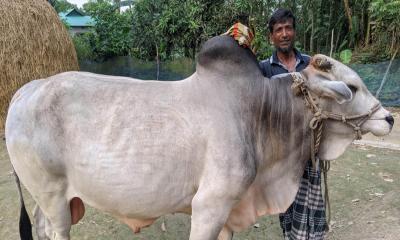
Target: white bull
(225, 145)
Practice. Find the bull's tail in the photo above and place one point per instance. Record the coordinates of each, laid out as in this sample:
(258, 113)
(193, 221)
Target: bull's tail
(25, 226)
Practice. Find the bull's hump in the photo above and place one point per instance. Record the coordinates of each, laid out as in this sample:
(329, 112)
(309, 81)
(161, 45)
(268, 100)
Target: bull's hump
(224, 50)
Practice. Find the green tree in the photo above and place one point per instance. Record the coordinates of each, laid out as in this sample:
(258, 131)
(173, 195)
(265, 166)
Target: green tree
(83, 46)
(147, 40)
(174, 28)
(386, 18)
(111, 35)
(61, 5)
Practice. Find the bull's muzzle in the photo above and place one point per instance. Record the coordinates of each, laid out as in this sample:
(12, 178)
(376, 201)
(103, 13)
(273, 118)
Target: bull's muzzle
(390, 120)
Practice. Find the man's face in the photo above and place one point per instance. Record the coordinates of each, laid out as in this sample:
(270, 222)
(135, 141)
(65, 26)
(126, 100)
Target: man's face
(283, 36)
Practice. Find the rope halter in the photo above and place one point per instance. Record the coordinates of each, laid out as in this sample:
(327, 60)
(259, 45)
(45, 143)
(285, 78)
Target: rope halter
(316, 126)
(354, 121)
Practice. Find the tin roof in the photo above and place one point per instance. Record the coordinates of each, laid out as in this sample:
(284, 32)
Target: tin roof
(76, 18)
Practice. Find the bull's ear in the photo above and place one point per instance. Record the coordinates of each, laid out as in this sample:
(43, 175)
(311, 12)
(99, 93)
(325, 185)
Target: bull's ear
(323, 83)
(336, 90)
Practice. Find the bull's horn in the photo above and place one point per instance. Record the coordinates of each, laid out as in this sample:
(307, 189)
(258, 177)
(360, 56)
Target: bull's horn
(321, 62)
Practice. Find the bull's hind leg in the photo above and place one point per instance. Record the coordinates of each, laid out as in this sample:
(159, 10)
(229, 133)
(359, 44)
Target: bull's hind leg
(56, 210)
(40, 224)
(43, 228)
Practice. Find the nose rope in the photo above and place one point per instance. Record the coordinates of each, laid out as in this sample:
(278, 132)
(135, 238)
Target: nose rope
(347, 119)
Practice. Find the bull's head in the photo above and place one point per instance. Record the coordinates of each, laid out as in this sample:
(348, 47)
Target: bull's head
(341, 91)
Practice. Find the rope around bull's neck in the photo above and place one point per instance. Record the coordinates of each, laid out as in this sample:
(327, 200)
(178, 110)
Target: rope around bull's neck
(316, 126)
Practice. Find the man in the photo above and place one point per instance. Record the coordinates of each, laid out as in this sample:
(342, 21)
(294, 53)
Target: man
(305, 218)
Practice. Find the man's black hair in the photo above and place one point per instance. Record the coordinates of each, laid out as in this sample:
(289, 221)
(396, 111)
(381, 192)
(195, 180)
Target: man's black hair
(279, 16)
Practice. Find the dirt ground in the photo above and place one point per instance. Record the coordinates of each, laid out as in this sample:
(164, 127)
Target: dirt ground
(364, 187)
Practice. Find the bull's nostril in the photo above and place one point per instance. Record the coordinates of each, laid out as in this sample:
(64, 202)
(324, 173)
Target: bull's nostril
(390, 120)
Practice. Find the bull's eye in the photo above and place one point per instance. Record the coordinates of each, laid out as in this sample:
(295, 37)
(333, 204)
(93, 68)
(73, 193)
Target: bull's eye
(352, 88)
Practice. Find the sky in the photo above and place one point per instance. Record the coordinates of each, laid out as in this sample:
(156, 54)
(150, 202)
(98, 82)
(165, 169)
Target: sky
(78, 2)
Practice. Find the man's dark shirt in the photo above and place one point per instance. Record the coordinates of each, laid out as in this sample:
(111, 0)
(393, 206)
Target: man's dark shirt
(271, 66)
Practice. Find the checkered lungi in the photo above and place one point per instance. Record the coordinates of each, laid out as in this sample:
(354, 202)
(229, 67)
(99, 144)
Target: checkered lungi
(305, 218)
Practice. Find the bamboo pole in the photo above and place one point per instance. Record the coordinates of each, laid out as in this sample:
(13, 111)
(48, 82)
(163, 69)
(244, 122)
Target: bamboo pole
(348, 14)
(386, 73)
(330, 54)
(312, 34)
(367, 37)
(158, 63)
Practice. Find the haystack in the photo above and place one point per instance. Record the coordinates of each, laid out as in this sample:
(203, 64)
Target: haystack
(33, 44)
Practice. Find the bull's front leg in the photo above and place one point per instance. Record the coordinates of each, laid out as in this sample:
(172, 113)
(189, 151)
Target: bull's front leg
(212, 205)
(225, 234)
(209, 214)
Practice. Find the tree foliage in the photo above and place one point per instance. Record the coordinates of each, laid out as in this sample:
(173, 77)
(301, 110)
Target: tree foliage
(111, 35)
(385, 16)
(61, 5)
(370, 29)
(177, 27)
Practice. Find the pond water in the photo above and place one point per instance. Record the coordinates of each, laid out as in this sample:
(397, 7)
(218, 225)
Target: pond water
(372, 74)
(145, 70)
